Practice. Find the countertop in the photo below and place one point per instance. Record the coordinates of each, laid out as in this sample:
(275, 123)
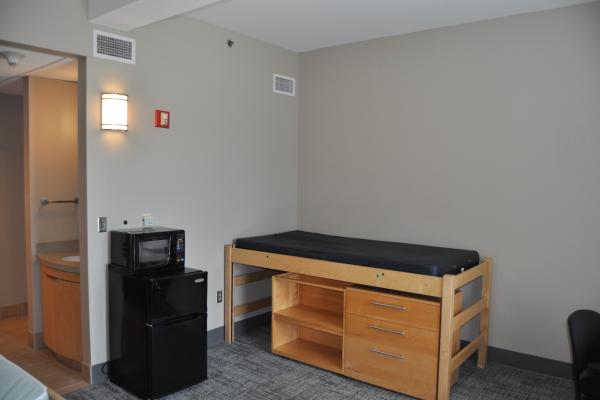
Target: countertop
(53, 260)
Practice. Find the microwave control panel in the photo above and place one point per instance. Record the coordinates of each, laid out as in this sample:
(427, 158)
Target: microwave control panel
(180, 248)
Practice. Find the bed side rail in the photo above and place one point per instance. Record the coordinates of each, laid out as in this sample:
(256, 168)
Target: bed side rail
(451, 322)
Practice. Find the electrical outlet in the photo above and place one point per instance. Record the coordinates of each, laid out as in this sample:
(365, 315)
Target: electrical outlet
(219, 296)
(102, 224)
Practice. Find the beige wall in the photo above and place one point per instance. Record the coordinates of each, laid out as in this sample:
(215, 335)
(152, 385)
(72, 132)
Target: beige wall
(480, 136)
(12, 261)
(52, 146)
(52, 118)
(227, 167)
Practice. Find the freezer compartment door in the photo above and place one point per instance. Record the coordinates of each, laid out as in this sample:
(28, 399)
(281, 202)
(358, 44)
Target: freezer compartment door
(177, 355)
(172, 296)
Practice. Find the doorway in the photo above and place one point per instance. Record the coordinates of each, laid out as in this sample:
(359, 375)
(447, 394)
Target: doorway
(43, 317)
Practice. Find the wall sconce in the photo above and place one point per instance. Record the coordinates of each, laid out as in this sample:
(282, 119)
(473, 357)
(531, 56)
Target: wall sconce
(114, 112)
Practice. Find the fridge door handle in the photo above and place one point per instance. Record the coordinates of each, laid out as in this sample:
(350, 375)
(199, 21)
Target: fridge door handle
(173, 321)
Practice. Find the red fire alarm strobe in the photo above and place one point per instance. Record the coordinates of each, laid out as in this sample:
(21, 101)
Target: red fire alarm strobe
(162, 119)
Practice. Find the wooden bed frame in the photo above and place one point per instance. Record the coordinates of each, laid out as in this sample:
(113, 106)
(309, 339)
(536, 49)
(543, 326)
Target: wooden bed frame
(442, 288)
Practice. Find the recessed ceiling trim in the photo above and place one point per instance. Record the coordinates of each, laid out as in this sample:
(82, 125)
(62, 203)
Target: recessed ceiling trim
(28, 72)
(128, 15)
(304, 25)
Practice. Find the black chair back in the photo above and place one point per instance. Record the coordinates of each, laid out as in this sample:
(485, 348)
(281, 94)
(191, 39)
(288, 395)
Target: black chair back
(584, 333)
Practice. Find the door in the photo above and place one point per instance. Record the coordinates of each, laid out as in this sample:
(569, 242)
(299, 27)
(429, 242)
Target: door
(177, 295)
(177, 355)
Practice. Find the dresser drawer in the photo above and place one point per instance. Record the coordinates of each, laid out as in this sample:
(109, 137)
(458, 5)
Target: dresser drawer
(399, 336)
(401, 370)
(395, 308)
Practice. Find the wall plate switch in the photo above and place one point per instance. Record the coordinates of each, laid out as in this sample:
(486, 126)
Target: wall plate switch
(102, 224)
(219, 296)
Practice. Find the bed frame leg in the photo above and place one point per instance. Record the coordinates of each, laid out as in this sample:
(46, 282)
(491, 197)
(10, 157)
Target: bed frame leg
(484, 319)
(446, 341)
(229, 326)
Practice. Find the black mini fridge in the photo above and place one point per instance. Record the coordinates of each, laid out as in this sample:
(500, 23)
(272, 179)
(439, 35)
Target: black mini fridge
(157, 330)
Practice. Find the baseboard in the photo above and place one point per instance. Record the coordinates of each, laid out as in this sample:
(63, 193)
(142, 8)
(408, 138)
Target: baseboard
(97, 374)
(511, 358)
(528, 362)
(86, 372)
(36, 340)
(217, 336)
(13, 311)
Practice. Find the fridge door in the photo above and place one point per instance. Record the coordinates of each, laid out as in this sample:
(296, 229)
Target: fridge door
(176, 295)
(177, 355)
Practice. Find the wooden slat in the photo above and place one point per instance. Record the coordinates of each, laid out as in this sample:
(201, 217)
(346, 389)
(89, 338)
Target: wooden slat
(458, 300)
(466, 352)
(323, 283)
(446, 334)
(471, 274)
(229, 334)
(468, 314)
(484, 320)
(249, 307)
(244, 279)
(376, 277)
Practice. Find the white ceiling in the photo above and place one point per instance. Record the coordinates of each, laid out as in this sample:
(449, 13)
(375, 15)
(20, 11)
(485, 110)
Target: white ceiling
(34, 64)
(303, 25)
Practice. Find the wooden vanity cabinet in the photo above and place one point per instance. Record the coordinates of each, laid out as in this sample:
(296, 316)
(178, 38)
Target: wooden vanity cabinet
(61, 306)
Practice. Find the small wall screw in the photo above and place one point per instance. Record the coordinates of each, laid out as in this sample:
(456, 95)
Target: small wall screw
(230, 43)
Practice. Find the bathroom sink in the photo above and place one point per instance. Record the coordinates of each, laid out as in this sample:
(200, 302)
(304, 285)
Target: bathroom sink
(70, 258)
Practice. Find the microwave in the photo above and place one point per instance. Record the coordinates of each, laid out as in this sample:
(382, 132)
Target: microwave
(147, 249)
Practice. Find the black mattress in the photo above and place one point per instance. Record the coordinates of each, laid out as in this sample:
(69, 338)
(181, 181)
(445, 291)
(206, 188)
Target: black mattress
(413, 258)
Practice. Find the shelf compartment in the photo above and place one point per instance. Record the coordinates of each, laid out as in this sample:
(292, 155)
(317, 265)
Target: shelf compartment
(308, 320)
(312, 353)
(314, 318)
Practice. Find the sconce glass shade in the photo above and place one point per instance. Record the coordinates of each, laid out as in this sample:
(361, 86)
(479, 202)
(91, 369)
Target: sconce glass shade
(114, 112)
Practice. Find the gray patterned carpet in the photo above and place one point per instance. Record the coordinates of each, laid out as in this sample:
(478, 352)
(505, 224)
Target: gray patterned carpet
(247, 370)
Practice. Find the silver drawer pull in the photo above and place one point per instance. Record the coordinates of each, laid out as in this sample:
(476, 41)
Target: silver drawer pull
(379, 328)
(376, 303)
(375, 350)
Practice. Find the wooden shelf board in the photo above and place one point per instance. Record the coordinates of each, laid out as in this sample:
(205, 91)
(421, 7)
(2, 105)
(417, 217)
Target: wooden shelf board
(307, 280)
(313, 318)
(312, 353)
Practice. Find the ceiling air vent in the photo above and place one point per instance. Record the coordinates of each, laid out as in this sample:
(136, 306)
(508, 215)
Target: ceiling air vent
(284, 85)
(114, 47)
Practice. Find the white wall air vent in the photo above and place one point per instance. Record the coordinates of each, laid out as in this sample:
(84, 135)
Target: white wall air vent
(114, 47)
(284, 85)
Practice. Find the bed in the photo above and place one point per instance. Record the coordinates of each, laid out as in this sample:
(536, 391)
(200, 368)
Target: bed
(434, 272)
(403, 257)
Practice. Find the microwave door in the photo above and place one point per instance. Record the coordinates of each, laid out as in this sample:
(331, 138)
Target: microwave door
(154, 252)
